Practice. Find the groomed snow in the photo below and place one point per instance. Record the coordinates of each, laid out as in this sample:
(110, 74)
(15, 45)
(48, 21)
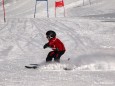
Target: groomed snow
(88, 33)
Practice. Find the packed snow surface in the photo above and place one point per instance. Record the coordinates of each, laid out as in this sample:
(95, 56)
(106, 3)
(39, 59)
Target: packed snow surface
(88, 32)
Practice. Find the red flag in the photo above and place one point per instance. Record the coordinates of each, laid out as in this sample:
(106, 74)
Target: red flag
(59, 4)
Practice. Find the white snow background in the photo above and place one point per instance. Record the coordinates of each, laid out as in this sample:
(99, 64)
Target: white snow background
(88, 32)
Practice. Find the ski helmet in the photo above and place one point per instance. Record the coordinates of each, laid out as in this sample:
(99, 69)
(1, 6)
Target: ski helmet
(50, 34)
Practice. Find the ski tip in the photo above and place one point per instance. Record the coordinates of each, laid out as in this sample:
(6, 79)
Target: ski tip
(67, 68)
(34, 67)
(27, 67)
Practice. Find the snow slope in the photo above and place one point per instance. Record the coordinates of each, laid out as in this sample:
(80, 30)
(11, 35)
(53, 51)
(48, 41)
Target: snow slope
(87, 32)
(74, 8)
(97, 9)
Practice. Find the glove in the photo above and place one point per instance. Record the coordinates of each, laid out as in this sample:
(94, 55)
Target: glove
(45, 46)
(56, 49)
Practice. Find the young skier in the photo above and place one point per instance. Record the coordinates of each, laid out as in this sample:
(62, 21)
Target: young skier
(56, 45)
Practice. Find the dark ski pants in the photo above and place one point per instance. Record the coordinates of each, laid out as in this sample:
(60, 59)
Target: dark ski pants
(54, 54)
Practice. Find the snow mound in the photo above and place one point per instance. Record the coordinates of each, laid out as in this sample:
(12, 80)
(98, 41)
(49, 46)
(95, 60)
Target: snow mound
(98, 67)
(57, 67)
(95, 62)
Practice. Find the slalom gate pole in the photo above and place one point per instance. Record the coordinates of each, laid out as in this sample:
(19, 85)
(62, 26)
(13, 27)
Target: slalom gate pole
(55, 9)
(63, 8)
(4, 11)
(90, 2)
(83, 2)
(64, 11)
(35, 9)
(47, 10)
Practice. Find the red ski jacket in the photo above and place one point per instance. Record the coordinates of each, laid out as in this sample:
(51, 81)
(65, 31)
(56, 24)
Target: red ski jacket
(56, 44)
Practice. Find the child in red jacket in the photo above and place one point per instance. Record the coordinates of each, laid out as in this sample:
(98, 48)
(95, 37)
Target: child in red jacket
(56, 45)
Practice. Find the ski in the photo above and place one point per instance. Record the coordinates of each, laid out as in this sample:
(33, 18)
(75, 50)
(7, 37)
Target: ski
(32, 66)
(67, 68)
